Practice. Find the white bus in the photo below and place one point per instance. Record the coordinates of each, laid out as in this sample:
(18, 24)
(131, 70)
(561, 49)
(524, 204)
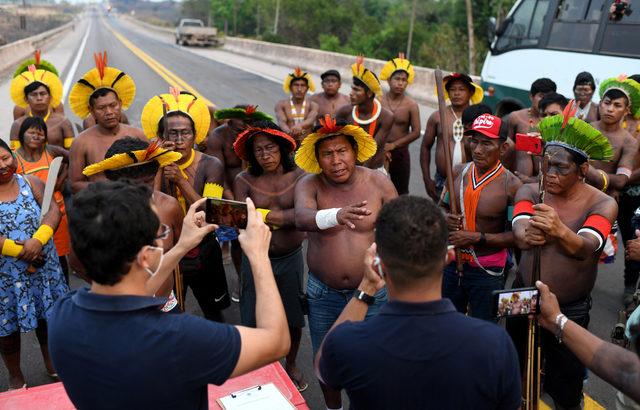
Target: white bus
(557, 39)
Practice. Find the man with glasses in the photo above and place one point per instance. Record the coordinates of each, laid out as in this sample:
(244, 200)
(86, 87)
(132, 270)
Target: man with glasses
(194, 176)
(330, 99)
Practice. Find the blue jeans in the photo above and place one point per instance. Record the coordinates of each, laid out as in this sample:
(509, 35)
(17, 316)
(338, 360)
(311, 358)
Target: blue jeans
(475, 289)
(326, 304)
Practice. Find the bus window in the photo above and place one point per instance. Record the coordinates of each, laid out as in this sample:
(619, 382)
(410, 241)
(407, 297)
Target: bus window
(620, 39)
(523, 27)
(572, 29)
(596, 7)
(572, 10)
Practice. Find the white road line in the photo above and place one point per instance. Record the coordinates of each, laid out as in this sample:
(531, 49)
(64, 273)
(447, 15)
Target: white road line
(76, 62)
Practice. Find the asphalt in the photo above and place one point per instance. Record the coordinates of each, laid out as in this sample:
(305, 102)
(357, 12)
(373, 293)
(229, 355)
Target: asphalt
(218, 79)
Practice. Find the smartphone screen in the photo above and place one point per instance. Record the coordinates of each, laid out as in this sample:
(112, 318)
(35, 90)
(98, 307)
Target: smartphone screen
(226, 213)
(515, 302)
(529, 143)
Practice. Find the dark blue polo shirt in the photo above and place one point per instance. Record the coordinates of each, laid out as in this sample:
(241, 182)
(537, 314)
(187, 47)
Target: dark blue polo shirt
(422, 356)
(122, 352)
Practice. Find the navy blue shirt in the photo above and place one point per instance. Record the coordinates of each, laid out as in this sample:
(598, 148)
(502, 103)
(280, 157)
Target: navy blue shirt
(422, 356)
(122, 352)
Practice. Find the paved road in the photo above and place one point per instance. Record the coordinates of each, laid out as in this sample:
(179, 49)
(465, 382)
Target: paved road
(226, 86)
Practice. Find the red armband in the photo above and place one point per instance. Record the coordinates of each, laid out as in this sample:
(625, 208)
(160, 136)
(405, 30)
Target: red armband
(522, 210)
(598, 226)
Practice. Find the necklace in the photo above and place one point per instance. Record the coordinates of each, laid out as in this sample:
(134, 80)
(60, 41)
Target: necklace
(391, 107)
(581, 113)
(374, 115)
(298, 117)
(458, 135)
(45, 118)
(186, 165)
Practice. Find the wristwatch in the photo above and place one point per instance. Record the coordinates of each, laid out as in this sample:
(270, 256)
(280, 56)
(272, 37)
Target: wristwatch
(360, 295)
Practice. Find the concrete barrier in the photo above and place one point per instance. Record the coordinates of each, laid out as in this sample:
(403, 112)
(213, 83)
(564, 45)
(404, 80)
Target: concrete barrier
(13, 53)
(151, 27)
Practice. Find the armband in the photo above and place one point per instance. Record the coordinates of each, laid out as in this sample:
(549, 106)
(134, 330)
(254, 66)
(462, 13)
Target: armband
(15, 144)
(43, 234)
(67, 142)
(623, 171)
(264, 213)
(212, 190)
(522, 210)
(10, 248)
(327, 218)
(605, 180)
(598, 226)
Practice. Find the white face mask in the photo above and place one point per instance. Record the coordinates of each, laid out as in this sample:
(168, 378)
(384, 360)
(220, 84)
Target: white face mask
(149, 271)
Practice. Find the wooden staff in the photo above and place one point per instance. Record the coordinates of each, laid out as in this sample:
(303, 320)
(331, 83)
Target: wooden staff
(453, 204)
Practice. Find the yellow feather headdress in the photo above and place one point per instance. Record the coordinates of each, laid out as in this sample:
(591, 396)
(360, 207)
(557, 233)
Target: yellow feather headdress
(397, 64)
(297, 74)
(133, 158)
(366, 76)
(176, 101)
(102, 76)
(306, 154)
(33, 75)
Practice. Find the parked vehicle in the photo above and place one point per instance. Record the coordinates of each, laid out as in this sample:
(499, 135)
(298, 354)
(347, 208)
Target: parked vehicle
(193, 32)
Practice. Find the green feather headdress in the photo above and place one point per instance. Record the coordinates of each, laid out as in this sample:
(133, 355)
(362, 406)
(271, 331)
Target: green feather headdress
(38, 62)
(628, 86)
(246, 114)
(569, 132)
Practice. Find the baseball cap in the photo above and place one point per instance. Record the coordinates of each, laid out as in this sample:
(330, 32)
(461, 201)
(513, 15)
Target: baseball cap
(487, 125)
(327, 73)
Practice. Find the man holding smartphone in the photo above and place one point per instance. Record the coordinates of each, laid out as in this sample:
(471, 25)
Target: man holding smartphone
(570, 226)
(337, 205)
(270, 182)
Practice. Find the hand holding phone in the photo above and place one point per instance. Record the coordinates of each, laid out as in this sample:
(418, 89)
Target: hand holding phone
(516, 302)
(529, 143)
(226, 213)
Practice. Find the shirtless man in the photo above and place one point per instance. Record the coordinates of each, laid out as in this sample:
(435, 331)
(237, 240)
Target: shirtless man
(92, 144)
(167, 207)
(331, 98)
(571, 227)
(193, 176)
(337, 205)
(527, 166)
(60, 130)
(461, 92)
(583, 89)
(270, 183)
(19, 112)
(406, 120)
(297, 114)
(480, 232)
(367, 112)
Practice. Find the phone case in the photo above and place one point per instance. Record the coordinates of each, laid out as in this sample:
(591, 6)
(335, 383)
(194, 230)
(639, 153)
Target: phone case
(529, 143)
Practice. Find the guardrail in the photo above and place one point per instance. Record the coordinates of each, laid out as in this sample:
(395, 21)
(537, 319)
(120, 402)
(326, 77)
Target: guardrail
(13, 53)
(319, 61)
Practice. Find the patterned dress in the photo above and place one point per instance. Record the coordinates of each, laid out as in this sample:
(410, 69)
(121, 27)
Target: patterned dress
(26, 297)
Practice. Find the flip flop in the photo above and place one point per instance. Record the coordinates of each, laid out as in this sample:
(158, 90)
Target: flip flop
(301, 387)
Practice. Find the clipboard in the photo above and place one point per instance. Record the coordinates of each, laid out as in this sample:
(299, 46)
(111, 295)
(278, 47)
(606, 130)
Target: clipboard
(266, 396)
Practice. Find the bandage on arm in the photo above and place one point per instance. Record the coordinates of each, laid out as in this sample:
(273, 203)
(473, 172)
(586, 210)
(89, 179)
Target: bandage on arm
(598, 226)
(623, 171)
(522, 210)
(327, 218)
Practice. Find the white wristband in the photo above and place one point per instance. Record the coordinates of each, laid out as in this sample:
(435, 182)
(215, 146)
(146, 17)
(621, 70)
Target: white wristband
(327, 218)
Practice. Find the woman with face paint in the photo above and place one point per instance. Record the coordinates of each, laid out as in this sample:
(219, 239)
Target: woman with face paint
(31, 279)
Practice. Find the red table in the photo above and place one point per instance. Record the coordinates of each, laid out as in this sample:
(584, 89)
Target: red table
(53, 397)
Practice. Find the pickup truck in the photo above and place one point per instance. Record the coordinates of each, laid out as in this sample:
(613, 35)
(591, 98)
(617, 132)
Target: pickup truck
(193, 32)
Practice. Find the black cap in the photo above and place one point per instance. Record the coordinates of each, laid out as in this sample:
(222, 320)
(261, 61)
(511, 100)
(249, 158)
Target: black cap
(327, 73)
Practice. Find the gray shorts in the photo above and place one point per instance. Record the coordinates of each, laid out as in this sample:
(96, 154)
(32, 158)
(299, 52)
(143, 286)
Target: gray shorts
(287, 270)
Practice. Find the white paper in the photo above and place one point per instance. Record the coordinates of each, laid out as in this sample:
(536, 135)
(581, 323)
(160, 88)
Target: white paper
(259, 397)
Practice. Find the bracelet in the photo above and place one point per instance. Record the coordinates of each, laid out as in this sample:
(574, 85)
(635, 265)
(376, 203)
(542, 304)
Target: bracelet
(327, 218)
(605, 180)
(10, 248)
(43, 234)
(561, 322)
(67, 142)
(264, 213)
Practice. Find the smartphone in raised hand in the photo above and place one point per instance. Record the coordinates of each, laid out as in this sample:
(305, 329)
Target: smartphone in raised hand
(529, 143)
(226, 213)
(516, 302)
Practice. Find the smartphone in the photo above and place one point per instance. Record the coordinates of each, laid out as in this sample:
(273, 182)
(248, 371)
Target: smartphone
(530, 143)
(516, 302)
(226, 213)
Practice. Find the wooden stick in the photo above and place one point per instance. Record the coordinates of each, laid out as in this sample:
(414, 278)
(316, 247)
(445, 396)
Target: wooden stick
(453, 204)
(177, 277)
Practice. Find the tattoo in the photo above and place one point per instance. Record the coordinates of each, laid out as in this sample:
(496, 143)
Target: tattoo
(619, 367)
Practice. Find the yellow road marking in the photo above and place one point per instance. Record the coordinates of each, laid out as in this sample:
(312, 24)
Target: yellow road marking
(161, 70)
(589, 404)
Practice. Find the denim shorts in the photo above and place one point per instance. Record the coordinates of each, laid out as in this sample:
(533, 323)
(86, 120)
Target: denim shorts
(326, 304)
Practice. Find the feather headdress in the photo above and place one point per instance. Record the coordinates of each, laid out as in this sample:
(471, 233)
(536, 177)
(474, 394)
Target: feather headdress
(38, 62)
(571, 133)
(367, 76)
(297, 74)
(35, 75)
(629, 87)
(102, 76)
(397, 64)
(306, 154)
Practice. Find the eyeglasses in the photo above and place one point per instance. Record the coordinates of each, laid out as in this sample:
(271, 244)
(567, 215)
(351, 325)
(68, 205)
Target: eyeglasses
(164, 234)
(179, 135)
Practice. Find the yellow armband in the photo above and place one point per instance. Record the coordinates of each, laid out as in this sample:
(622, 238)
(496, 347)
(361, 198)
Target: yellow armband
(212, 190)
(264, 213)
(67, 142)
(605, 180)
(43, 234)
(15, 144)
(10, 248)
